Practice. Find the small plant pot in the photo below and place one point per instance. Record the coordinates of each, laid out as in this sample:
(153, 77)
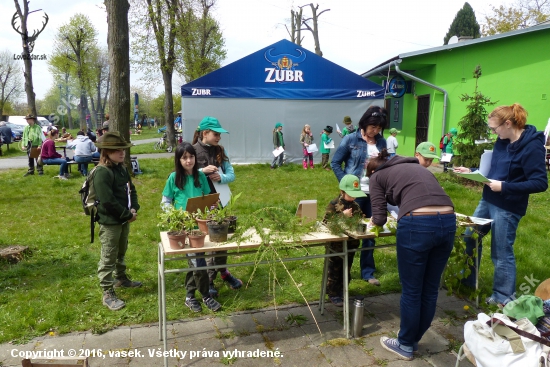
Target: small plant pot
(232, 224)
(196, 239)
(217, 232)
(177, 240)
(202, 225)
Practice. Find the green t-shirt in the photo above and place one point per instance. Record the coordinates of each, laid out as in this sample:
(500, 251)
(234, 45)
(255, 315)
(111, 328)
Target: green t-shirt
(179, 197)
(348, 130)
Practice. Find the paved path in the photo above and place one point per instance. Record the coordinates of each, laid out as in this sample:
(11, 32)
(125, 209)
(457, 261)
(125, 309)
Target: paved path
(266, 331)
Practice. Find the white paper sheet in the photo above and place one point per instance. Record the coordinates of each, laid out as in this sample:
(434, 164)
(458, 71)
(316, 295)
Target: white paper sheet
(446, 157)
(329, 145)
(224, 191)
(340, 131)
(277, 152)
(312, 148)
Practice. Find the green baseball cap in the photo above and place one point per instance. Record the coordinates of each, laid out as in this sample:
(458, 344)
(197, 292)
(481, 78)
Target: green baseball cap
(427, 150)
(453, 131)
(278, 125)
(350, 185)
(525, 306)
(211, 123)
(393, 130)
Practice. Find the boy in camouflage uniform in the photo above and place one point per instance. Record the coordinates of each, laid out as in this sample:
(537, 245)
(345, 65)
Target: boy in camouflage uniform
(344, 204)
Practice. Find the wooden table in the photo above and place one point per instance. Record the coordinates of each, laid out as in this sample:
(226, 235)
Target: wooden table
(250, 246)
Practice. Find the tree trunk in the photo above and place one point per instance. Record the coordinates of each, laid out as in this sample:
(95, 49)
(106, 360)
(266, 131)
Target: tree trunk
(169, 108)
(29, 89)
(118, 42)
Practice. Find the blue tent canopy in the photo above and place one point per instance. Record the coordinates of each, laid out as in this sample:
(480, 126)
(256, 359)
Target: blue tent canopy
(283, 70)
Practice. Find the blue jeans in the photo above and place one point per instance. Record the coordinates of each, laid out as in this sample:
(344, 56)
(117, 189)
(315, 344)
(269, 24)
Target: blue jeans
(503, 234)
(424, 244)
(366, 259)
(83, 163)
(62, 164)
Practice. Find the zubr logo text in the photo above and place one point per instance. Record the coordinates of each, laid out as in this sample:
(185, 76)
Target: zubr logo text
(284, 69)
(28, 40)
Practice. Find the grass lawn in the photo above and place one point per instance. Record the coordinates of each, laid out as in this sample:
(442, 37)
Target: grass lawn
(55, 288)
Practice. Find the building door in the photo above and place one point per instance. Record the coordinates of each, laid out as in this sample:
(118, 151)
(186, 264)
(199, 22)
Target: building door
(422, 118)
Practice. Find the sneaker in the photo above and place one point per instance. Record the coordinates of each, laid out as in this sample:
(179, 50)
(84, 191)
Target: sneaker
(392, 345)
(212, 290)
(337, 301)
(233, 282)
(28, 174)
(373, 281)
(127, 283)
(490, 301)
(111, 300)
(63, 178)
(212, 304)
(193, 304)
(40, 173)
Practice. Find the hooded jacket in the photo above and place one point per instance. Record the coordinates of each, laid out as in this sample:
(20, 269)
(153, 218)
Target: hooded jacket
(521, 168)
(83, 146)
(403, 182)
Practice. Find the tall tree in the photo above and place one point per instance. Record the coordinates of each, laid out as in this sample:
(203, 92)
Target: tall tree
(118, 42)
(61, 67)
(200, 38)
(78, 38)
(519, 15)
(295, 31)
(464, 24)
(314, 29)
(155, 38)
(28, 45)
(99, 84)
(11, 86)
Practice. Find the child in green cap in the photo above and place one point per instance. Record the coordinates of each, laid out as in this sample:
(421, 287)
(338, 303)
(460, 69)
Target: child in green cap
(345, 205)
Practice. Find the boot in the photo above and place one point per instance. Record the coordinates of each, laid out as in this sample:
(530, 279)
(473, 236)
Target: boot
(304, 163)
(111, 300)
(311, 163)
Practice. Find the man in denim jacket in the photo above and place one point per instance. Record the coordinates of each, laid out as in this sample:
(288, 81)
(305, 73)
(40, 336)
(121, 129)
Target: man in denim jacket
(354, 151)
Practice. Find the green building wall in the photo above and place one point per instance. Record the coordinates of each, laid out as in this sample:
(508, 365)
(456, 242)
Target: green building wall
(514, 69)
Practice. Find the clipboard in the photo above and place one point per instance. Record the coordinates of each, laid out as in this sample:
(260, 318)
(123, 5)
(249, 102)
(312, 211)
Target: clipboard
(201, 202)
(307, 210)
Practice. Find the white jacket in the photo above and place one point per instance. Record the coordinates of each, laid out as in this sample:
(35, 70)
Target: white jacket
(83, 146)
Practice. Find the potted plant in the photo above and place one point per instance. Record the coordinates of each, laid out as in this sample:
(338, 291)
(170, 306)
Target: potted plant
(201, 217)
(229, 210)
(174, 221)
(218, 224)
(196, 238)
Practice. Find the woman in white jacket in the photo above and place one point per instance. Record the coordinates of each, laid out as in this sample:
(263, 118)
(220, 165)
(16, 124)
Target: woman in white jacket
(84, 149)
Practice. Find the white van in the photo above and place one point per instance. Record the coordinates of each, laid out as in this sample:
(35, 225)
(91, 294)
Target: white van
(20, 120)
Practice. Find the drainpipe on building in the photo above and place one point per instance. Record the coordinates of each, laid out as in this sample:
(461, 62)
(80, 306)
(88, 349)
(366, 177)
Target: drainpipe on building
(396, 63)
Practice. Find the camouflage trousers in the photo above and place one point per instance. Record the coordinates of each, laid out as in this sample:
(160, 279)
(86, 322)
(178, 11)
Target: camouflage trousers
(335, 277)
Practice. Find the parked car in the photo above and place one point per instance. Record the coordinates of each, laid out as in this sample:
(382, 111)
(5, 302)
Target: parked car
(16, 131)
(20, 120)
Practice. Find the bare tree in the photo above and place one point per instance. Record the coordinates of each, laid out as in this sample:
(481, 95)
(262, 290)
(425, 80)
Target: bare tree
(314, 28)
(28, 45)
(99, 85)
(10, 81)
(295, 31)
(118, 41)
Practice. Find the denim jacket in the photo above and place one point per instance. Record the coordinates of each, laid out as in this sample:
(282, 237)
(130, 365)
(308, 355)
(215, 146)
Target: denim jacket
(353, 152)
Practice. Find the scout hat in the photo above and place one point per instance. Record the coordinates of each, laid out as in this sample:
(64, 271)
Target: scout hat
(278, 125)
(106, 125)
(427, 150)
(347, 120)
(211, 123)
(393, 130)
(328, 129)
(350, 185)
(30, 116)
(113, 140)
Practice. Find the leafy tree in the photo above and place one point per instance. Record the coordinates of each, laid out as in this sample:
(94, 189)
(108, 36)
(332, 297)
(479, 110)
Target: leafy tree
(99, 83)
(61, 68)
(519, 15)
(154, 35)
(472, 126)
(118, 42)
(11, 85)
(200, 38)
(464, 24)
(76, 40)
